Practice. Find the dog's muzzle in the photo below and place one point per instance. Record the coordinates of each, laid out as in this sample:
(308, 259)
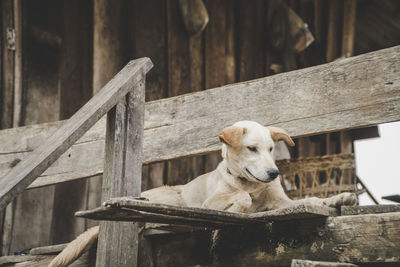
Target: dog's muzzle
(273, 174)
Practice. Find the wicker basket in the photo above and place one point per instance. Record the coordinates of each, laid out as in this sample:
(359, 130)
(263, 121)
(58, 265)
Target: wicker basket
(321, 176)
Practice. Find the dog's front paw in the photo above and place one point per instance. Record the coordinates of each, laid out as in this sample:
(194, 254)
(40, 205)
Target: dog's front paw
(343, 199)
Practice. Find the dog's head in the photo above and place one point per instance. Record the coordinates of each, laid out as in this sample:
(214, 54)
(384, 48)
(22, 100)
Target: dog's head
(249, 147)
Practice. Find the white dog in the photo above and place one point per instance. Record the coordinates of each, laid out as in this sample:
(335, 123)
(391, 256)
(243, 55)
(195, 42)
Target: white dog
(245, 181)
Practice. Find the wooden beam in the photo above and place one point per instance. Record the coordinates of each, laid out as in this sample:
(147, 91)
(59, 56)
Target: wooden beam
(349, 20)
(356, 210)
(118, 241)
(350, 93)
(108, 50)
(307, 263)
(39, 160)
(372, 238)
(128, 209)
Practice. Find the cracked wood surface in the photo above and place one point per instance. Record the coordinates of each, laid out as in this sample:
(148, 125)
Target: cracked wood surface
(349, 93)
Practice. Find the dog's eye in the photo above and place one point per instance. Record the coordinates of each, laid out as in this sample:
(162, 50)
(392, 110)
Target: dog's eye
(270, 149)
(252, 148)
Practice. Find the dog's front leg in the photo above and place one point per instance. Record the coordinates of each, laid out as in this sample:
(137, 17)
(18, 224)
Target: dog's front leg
(238, 201)
(343, 199)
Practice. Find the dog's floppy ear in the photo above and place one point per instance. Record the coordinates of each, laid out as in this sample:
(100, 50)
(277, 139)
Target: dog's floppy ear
(232, 135)
(280, 134)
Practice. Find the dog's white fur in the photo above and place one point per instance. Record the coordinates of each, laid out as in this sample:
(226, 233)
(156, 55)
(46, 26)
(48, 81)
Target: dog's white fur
(242, 182)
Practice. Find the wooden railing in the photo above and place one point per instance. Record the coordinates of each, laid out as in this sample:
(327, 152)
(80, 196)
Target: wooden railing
(345, 94)
(123, 98)
(349, 93)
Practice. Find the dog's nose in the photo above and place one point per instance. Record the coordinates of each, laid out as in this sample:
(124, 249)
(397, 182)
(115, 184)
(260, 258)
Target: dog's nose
(273, 174)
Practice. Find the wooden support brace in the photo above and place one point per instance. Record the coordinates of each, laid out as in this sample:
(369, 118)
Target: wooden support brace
(118, 241)
(53, 147)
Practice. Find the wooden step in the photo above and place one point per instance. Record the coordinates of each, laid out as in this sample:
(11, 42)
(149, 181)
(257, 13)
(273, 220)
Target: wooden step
(130, 209)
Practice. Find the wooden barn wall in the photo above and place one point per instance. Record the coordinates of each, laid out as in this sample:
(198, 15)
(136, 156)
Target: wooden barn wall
(63, 61)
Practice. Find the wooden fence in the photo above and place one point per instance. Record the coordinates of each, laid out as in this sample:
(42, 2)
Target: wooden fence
(345, 94)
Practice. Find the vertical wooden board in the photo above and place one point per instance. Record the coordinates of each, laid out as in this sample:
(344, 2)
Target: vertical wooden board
(118, 241)
(332, 50)
(109, 52)
(185, 75)
(32, 210)
(251, 39)
(148, 39)
(220, 56)
(75, 89)
(7, 58)
(349, 19)
(6, 107)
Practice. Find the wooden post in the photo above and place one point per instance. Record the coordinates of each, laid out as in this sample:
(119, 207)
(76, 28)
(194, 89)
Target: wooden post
(108, 50)
(118, 241)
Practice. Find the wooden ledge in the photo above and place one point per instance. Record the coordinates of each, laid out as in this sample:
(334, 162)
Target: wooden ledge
(370, 209)
(129, 209)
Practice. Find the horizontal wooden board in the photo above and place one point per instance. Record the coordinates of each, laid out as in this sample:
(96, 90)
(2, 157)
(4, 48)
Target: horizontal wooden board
(128, 209)
(349, 93)
(355, 210)
(358, 239)
(307, 263)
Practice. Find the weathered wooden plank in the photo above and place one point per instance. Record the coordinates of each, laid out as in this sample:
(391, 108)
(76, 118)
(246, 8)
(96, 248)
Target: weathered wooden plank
(86, 260)
(219, 55)
(30, 168)
(75, 83)
(295, 212)
(332, 50)
(372, 238)
(118, 241)
(349, 20)
(307, 263)
(108, 49)
(185, 56)
(128, 209)
(349, 93)
(251, 39)
(150, 17)
(356, 210)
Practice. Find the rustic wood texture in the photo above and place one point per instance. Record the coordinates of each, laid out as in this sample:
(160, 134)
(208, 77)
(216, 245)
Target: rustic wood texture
(220, 55)
(340, 96)
(40, 103)
(8, 62)
(356, 210)
(251, 44)
(42, 260)
(30, 168)
(349, 20)
(358, 239)
(307, 263)
(128, 209)
(118, 241)
(185, 75)
(76, 75)
(332, 50)
(108, 59)
(150, 17)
